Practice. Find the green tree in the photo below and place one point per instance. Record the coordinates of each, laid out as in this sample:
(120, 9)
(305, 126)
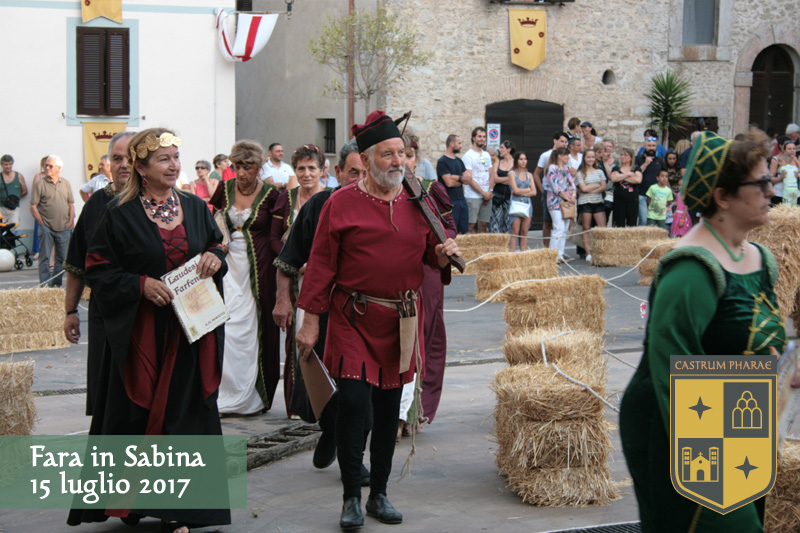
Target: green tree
(382, 51)
(669, 102)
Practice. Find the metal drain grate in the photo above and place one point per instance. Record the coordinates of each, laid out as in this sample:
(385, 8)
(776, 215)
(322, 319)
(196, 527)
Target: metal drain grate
(625, 527)
(59, 392)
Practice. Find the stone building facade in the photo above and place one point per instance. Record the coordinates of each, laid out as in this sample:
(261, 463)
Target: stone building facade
(599, 62)
(600, 58)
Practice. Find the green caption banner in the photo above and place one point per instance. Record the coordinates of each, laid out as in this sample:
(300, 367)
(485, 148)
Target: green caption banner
(123, 472)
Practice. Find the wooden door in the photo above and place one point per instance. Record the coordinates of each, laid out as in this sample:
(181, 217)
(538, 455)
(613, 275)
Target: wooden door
(530, 125)
(772, 94)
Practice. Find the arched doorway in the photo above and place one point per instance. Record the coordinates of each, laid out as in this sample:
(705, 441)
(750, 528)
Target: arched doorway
(530, 125)
(772, 93)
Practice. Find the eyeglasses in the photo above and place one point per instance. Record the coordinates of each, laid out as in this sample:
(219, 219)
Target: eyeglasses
(764, 183)
(201, 168)
(651, 139)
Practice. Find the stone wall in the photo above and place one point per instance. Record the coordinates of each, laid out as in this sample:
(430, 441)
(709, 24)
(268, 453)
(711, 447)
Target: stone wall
(471, 64)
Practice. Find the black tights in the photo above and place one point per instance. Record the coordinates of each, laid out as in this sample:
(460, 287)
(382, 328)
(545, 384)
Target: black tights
(351, 420)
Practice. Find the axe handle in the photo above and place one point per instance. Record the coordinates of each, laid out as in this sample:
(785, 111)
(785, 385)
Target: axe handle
(413, 186)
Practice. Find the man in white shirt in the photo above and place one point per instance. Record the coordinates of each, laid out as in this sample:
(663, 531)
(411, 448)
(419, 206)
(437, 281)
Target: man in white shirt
(275, 171)
(575, 155)
(478, 194)
(98, 182)
(559, 141)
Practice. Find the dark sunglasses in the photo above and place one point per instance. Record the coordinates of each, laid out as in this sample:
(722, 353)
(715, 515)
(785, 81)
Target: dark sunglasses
(200, 168)
(764, 183)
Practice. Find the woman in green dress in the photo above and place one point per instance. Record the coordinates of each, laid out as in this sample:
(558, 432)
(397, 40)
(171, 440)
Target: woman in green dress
(702, 302)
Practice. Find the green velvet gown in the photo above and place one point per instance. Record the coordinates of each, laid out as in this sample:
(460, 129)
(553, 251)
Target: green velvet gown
(696, 308)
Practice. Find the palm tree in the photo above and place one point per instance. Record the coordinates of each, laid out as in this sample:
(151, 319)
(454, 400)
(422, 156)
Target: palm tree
(669, 102)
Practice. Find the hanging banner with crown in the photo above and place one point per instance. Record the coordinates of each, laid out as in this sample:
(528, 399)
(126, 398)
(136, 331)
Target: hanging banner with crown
(96, 136)
(722, 428)
(110, 9)
(528, 37)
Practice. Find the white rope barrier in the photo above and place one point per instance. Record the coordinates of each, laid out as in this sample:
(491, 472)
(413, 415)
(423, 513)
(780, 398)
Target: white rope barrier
(567, 376)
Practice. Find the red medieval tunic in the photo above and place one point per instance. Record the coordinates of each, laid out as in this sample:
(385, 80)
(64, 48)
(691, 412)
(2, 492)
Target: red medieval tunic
(377, 248)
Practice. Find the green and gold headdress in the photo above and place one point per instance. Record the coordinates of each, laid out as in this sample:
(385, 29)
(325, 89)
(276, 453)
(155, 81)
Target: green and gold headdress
(704, 169)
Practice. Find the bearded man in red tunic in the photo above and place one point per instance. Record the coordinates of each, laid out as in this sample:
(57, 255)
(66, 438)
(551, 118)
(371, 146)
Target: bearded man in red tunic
(366, 270)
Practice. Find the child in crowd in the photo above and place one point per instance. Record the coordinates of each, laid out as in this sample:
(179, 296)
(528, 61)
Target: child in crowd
(659, 199)
(788, 172)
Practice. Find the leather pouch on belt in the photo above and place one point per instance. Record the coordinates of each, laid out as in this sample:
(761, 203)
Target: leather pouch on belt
(408, 340)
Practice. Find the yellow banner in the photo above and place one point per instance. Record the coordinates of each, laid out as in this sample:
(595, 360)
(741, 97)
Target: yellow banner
(96, 136)
(110, 9)
(528, 37)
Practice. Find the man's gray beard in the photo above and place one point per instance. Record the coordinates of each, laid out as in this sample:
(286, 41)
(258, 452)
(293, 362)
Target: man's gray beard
(385, 179)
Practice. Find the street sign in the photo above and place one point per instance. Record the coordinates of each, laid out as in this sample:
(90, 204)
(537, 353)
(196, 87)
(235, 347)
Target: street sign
(493, 135)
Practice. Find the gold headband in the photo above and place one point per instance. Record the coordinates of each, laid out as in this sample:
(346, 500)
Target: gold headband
(152, 143)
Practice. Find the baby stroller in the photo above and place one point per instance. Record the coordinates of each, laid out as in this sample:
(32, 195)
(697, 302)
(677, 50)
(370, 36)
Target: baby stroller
(13, 242)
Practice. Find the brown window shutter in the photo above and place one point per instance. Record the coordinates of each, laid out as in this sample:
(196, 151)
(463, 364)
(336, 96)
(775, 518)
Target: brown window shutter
(117, 89)
(91, 71)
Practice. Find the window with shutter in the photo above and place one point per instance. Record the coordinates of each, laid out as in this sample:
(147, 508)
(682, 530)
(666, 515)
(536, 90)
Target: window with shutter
(103, 59)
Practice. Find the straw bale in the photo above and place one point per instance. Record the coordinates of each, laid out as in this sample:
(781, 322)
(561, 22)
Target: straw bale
(33, 319)
(561, 487)
(539, 393)
(781, 515)
(473, 246)
(490, 280)
(787, 478)
(555, 444)
(574, 302)
(656, 249)
(25, 342)
(576, 346)
(17, 410)
(620, 246)
(501, 261)
(780, 236)
(87, 293)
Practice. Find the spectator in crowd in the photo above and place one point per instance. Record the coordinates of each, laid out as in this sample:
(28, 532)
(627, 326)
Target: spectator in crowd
(661, 150)
(574, 128)
(650, 165)
(501, 190)
(221, 162)
(13, 189)
(788, 171)
(589, 135)
(673, 170)
(560, 186)
(453, 175)
(685, 153)
(659, 200)
(98, 181)
(575, 146)
(425, 168)
(626, 177)
(560, 139)
(793, 132)
(478, 193)
(275, 171)
(327, 180)
(203, 186)
(787, 148)
(605, 162)
(53, 207)
(522, 192)
(591, 185)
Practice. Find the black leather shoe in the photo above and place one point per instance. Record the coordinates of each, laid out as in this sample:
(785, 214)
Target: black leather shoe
(380, 508)
(325, 453)
(366, 479)
(352, 519)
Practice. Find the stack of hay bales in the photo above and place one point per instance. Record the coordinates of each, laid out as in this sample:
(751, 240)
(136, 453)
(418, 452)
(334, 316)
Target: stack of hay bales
(781, 236)
(32, 319)
(17, 410)
(570, 302)
(473, 246)
(782, 513)
(553, 440)
(648, 267)
(620, 246)
(493, 272)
